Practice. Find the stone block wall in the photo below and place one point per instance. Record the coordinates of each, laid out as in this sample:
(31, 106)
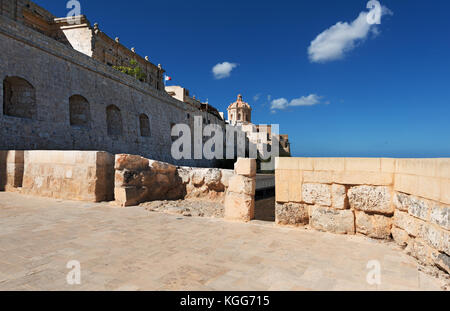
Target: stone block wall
(70, 175)
(240, 196)
(11, 170)
(56, 72)
(139, 180)
(407, 200)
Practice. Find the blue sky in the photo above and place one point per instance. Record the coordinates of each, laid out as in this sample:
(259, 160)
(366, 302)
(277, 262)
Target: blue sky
(387, 96)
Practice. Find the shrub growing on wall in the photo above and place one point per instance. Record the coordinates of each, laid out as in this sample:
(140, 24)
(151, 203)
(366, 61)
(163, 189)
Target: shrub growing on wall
(134, 70)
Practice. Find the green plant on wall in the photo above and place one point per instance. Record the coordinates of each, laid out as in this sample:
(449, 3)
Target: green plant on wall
(134, 70)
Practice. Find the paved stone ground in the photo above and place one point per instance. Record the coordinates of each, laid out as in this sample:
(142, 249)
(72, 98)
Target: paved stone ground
(134, 249)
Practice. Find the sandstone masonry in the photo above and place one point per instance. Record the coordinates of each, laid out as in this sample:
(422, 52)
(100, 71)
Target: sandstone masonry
(406, 200)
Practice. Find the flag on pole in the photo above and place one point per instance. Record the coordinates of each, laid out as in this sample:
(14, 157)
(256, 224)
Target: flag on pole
(167, 78)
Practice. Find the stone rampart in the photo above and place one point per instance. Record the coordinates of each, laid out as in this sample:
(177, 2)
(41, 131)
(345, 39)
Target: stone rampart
(70, 175)
(407, 200)
(77, 103)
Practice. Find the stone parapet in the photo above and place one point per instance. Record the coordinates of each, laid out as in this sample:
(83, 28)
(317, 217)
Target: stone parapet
(404, 199)
(70, 175)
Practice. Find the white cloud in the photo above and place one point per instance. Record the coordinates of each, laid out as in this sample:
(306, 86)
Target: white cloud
(283, 103)
(256, 97)
(333, 43)
(280, 103)
(223, 70)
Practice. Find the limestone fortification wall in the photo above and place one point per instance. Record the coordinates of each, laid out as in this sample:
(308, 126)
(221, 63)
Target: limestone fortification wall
(70, 175)
(55, 72)
(407, 200)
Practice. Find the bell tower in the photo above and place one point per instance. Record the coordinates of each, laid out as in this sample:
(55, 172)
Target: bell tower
(239, 112)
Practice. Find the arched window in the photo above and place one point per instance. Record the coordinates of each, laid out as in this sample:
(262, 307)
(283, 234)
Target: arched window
(79, 111)
(114, 121)
(19, 98)
(239, 117)
(144, 124)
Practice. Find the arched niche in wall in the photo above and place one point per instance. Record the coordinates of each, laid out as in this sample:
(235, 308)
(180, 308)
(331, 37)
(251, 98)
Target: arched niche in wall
(19, 98)
(114, 121)
(80, 114)
(144, 125)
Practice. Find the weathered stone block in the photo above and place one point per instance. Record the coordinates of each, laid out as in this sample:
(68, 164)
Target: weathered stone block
(329, 164)
(339, 196)
(364, 178)
(371, 199)
(318, 177)
(11, 170)
(442, 261)
(440, 215)
(318, 194)
(292, 214)
(185, 174)
(406, 183)
(388, 165)
(213, 177)
(64, 175)
(445, 191)
(408, 223)
(242, 184)
(419, 167)
(198, 177)
(239, 207)
(282, 186)
(443, 168)
(3, 177)
(429, 187)
(103, 159)
(131, 162)
(226, 176)
(400, 236)
(286, 163)
(162, 167)
(330, 220)
(374, 226)
(295, 180)
(127, 196)
(363, 164)
(306, 164)
(401, 201)
(421, 251)
(246, 167)
(419, 208)
(435, 237)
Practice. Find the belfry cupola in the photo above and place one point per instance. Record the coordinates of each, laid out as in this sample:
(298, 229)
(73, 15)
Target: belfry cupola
(239, 112)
